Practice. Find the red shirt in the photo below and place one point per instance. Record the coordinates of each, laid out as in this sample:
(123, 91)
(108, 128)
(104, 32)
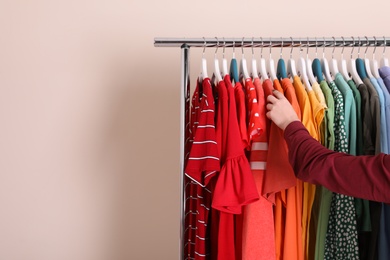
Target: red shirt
(365, 176)
(201, 163)
(235, 186)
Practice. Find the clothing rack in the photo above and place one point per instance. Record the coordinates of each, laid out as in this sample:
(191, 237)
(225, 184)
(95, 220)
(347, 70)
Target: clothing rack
(246, 42)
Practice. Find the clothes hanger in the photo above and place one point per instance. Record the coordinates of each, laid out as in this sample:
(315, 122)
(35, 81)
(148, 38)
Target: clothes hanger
(263, 67)
(217, 71)
(309, 65)
(344, 70)
(384, 60)
(302, 69)
(352, 67)
(333, 65)
(360, 67)
(291, 68)
(271, 63)
(367, 61)
(234, 75)
(225, 70)
(281, 69)
(254, 64)
(374, 62)
(244, 68)
(325, 65)
(203, 69)
(316, 67)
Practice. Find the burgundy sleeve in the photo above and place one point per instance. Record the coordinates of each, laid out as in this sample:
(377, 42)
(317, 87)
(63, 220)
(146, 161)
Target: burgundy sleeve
(366, 177)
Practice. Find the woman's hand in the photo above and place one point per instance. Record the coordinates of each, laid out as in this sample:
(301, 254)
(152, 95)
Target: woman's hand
(280, 110)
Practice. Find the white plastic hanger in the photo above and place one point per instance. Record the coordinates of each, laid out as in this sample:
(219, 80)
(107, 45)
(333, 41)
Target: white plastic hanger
(325, 65)
(244, 68)
(217, 71)
(263, 67)
(271, 63)
(367, 61)
(352, 67)
(384, 60)
(203, 69)
(225, 70)
(309, 64)
(291, 68)
(254, 64)
(374, 62)
(302, 70)
(344, 70)
(333, 65)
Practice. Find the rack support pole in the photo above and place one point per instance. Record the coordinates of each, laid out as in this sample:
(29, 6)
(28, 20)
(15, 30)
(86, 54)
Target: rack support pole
(185, 50)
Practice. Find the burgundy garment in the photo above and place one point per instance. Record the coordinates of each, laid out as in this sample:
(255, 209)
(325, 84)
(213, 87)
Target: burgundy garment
(365, 176)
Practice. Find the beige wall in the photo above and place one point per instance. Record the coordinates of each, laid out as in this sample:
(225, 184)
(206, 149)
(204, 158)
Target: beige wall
(89, 114)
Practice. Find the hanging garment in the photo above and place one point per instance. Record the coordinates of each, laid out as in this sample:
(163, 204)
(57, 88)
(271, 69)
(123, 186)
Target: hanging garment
(202, 164)
(258, 222)
(384, 72)
(384, 231)
(293, 247)
(323, 197)
(341, 236)
(235, 186)
(362, 206)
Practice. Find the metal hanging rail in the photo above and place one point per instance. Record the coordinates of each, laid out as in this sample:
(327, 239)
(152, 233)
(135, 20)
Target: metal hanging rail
(186, 43)
(273, 42)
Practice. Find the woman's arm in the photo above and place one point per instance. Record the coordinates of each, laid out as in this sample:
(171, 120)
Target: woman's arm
(366, 177)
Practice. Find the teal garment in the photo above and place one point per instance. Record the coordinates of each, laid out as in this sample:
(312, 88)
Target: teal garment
(350, 112)
(328, 122)
(383, 126)
(359, 122)
(341, 236)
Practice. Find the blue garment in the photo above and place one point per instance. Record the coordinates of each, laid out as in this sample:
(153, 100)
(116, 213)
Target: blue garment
(384, 72)
(386, 95)
(384, 144)
(350, 112)
(384, 231)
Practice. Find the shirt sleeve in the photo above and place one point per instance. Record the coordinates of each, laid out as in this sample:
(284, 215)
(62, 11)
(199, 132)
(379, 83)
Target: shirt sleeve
(366, 176)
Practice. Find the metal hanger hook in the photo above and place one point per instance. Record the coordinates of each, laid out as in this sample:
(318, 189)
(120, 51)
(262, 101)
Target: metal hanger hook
(316, 47)
(270, 48)
(242, 46)
(373, 53)
(224, 45)
(216, 49)
(307, 48)
(253, 53)
(368, 44)
(262, 46)
(384, 46)
(323, 50)
(300, 47)
(281, 48)
(342, 50)
(353, 45)
(334, 46)
(204, 47)
(359, 46)
(292, 47)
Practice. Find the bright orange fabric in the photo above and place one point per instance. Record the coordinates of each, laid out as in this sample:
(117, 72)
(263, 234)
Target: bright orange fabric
(308, 189)
(280, 175)
(292, 246)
